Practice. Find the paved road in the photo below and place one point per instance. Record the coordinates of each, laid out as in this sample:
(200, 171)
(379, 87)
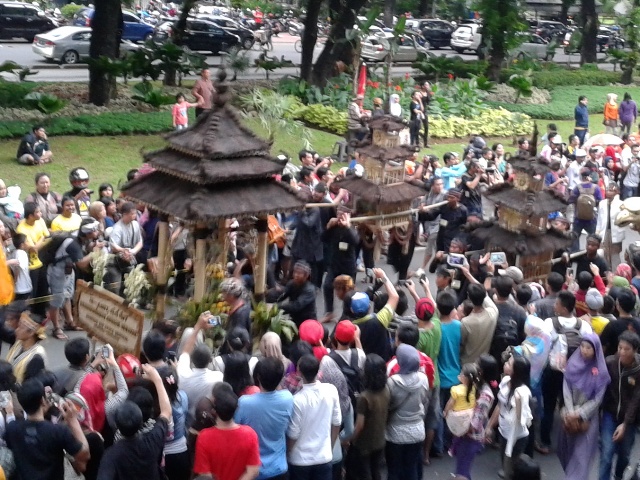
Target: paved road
(21, 53)
(486, 465)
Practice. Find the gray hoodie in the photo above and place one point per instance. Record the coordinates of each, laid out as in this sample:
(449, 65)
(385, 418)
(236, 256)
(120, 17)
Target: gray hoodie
(408, 404)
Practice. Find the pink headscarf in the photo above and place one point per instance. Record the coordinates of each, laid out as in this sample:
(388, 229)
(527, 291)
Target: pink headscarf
(93, 392)
(624, 270)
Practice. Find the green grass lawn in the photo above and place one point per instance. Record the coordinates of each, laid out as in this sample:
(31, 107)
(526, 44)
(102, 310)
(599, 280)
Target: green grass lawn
(109, 158)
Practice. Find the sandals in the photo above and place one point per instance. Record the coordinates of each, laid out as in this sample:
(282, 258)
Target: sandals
(72, 327)
(59, 334)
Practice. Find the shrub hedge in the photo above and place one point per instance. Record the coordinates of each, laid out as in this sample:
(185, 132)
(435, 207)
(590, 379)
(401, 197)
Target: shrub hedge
(549, 79)
(12, 93)
(91, 125)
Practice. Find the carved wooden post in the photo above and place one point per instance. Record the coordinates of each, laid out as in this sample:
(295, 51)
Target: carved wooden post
(261, 258)
(163, 258)
(200, 264)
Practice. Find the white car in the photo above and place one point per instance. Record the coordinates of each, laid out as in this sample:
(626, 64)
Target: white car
(69, 44)
(376, 48)
(467, 36)
(534, 46)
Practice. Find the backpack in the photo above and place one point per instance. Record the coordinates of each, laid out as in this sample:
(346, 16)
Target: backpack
(568, 341)
(55, 250)
(504, 336)
(586, 203)
(351, 373)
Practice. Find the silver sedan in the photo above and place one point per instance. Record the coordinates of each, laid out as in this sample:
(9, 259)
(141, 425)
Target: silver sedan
(68, 45)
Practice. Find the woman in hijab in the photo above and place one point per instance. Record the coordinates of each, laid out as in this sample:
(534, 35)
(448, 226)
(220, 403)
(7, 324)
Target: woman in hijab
(535, 348)
(405, 431)
(585, 381)
(94, 439)
(395, 108)
(271, 346)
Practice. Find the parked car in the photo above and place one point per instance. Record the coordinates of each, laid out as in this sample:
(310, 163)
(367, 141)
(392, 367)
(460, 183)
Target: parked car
(467, 36)
(550, 30)
(200, 35)
(437, 32)
(69, 45)
(134, 28)
(247, 37)
(377, 47)
(23, 20)
(533, 46)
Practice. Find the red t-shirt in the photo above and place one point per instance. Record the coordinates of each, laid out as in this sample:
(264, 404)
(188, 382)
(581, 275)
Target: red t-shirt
(226, 454)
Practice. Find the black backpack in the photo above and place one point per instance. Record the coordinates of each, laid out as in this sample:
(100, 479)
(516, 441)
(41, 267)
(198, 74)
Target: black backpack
(49, 254)
(351, 373)
(573, 336)
(504, 336)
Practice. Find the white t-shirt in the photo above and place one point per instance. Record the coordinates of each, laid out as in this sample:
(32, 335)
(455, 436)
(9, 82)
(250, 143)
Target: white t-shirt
(316, 408)
(510, 427)
(196, 382)
(346, 356)
(21, 272)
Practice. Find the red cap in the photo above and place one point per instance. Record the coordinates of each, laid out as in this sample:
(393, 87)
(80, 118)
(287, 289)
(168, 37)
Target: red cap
(128, 363)
(311, 331)
(345, 332)
(424, 308)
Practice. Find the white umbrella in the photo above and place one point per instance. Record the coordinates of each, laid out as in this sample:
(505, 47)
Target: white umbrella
(602, 139)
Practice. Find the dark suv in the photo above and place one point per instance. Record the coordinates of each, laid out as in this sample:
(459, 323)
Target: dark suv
(247, 38)
(550, 30)
(437, 32)
(23, 20)
(200, 35)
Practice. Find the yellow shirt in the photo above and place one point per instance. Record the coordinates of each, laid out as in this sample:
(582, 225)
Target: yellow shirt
(597, 323)
(64, 224)
(34, 234)
(459, 395)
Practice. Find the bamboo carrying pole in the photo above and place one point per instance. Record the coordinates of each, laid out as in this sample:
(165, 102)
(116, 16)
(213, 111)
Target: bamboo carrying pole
(571, 257)
(261, 257)
(382, 216)
(199, 268)
(161, 274)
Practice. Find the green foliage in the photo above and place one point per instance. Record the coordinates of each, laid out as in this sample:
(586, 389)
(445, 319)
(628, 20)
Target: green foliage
(155, 97)
(237, 60)
(266, 6)
(325, 117)
(436, 67)
(490, 122)
(548, 79)
(522, 84)
(459, 98)
(19, 71)
(68, 11)
(269, 318)
(45, 102)
(269, 64)
(484, 84)
(12, 94)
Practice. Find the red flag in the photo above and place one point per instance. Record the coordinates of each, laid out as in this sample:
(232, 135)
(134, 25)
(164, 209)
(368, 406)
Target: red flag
(362, 79)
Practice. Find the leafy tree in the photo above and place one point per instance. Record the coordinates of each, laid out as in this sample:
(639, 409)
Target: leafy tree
(178, 37)
(629, 59)
(309, 38)
(500, 26)
(105, 42)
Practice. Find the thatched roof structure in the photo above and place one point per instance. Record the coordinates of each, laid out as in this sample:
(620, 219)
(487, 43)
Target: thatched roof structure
(215, 169)
(531, 166)
(526, 202)
(385, 154)
(382, 194)
(495, 237)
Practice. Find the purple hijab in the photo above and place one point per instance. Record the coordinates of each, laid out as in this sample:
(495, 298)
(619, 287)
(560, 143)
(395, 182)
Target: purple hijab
(590, 377)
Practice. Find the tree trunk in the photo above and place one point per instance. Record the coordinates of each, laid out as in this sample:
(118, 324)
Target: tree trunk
(343, 19)
(105, 41)
(170, 73)
(496, 58)
(564, 10)
(309, 38)
(423, 8)
(627, 76)
(590, 32)
(389, 10)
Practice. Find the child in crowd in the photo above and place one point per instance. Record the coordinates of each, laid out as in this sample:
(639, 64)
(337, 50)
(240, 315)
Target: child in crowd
(459, 408)
(20, 267)
(180, 112)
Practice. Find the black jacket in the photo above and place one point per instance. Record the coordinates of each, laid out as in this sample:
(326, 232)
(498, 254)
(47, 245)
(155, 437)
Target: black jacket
(622, 397)
(302, 301)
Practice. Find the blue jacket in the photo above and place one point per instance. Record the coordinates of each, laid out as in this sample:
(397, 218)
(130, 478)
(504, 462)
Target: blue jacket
(582, 116)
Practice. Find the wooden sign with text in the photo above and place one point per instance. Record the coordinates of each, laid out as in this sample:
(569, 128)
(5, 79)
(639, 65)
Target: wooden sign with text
(104, 316)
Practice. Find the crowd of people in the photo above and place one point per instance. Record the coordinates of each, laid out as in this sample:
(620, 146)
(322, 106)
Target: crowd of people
(404, 373)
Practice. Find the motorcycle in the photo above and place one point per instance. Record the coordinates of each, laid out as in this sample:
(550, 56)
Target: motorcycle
(295, 28)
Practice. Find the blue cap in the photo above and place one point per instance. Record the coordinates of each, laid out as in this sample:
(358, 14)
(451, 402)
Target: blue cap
(360, 304)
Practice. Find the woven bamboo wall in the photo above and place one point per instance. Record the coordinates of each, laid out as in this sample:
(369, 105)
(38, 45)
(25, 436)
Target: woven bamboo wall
(374, 170)
(525, 182)
(511, 220)
(535, 267)
(393, 174)
(384, 139)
